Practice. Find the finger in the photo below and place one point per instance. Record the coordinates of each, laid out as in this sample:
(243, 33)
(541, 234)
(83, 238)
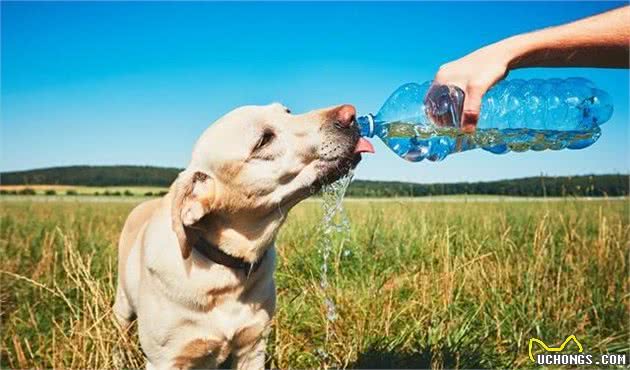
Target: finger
(472, 107)
(435, 100)
(431, 108)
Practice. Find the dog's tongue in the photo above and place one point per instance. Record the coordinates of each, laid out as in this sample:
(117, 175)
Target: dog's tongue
(363, 146)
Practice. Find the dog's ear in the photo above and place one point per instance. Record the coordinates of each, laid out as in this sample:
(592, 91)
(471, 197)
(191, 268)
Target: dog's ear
(193, 194)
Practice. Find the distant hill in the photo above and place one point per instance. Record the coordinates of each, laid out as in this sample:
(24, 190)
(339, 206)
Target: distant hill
(93, 176)
(588, 185)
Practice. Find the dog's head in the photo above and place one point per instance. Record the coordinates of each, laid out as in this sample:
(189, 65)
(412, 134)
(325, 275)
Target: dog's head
(252, 165)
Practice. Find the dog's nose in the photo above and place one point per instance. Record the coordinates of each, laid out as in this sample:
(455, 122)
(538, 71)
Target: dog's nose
(345, 116)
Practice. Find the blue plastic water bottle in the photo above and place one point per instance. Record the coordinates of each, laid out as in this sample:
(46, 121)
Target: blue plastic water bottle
(423, 121)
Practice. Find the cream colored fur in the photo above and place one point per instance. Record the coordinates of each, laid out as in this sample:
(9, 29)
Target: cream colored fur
(247, 171)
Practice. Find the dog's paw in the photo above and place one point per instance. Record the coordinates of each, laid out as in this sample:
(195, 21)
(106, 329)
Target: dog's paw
(192, 213)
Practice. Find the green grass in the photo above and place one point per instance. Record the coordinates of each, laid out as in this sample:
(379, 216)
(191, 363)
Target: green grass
(453, 284)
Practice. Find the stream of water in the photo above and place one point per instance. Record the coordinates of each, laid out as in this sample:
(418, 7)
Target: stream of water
(334, 229)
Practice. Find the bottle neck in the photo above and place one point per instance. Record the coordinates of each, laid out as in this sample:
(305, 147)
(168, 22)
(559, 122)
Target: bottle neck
(366, 124)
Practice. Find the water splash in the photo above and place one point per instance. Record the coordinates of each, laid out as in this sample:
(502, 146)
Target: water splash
(335, 226)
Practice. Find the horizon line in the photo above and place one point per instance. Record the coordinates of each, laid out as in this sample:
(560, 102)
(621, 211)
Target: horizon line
(3, 172)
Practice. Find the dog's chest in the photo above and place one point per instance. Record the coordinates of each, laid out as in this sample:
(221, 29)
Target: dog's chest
(206, 310)
(228, 320)
(229, 326)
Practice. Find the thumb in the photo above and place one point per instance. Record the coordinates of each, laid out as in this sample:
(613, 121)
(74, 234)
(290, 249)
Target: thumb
(472, 107)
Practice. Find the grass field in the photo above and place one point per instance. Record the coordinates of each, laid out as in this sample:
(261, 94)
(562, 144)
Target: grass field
(440, 284)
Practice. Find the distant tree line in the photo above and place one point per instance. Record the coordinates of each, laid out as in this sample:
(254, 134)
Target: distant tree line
(93, 176)
(588, 185)
(115, 193)
(578, 186)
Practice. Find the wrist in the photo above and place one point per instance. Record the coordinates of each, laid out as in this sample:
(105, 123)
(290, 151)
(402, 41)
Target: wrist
(515, 49)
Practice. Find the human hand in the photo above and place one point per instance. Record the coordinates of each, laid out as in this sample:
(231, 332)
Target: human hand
(475, 73)
(597, 41)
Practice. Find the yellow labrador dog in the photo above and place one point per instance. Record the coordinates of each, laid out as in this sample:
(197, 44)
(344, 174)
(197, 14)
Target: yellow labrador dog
(196, 267)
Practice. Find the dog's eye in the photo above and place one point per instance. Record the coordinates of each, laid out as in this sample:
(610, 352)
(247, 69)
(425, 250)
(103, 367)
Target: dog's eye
(287, 110)
(265, 139)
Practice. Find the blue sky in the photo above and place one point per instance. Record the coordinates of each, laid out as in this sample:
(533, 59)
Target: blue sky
(137, 83)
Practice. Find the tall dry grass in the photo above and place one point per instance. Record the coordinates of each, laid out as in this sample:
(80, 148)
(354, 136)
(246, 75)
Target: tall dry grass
(58, 280)
(454, 285)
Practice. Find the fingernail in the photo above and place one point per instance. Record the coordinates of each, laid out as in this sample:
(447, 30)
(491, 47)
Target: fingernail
(469, 121)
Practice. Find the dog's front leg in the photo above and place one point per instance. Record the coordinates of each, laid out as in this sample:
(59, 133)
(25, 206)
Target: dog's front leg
(251, 358)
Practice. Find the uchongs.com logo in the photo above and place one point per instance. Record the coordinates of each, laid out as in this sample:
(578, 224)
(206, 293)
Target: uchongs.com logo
(554, 356)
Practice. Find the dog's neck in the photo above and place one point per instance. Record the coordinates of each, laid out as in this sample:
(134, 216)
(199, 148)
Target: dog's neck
(242, 236)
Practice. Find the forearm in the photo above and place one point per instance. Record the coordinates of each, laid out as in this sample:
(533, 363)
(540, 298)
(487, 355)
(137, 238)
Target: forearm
(599, 41)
